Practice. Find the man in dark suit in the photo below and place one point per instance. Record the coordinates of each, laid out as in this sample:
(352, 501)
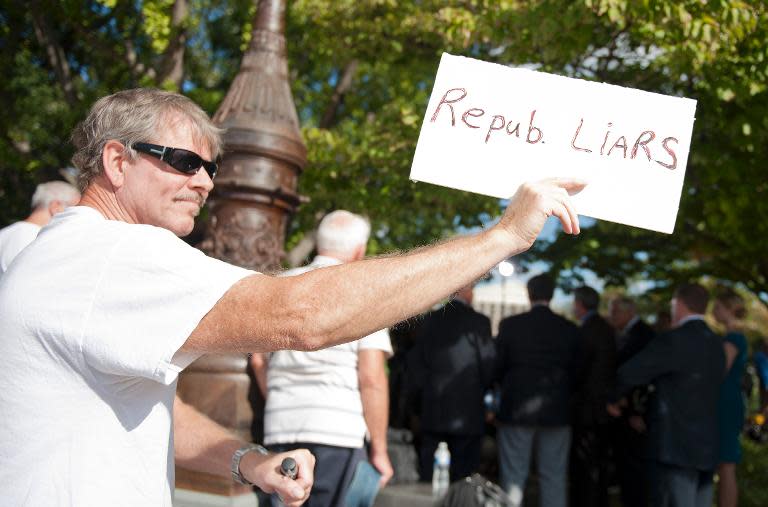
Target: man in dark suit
(452, 365)
(629, 431)
(686, 365)
(538, 359)
(589, 452)
(633, 334)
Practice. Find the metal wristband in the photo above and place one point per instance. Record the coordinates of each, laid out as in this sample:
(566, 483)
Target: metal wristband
(238, 455)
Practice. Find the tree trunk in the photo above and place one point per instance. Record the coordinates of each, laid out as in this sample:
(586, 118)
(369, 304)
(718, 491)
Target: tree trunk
(172, 63)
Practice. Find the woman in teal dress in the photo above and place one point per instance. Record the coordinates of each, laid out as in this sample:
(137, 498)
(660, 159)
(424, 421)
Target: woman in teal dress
(729, 311)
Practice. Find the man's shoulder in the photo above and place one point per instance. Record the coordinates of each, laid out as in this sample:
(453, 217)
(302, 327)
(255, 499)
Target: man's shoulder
(641, 327)
(379, 340)
(469, 312)
(693, 331)
(537, 315)
(9, 229)
(597, 325)
(20, 228)
(693, 327)
(512, 322)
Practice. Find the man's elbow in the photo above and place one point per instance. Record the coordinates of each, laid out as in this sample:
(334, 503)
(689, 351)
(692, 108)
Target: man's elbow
(373, 380)
(308, 343)
(303, 324)
(308, 336)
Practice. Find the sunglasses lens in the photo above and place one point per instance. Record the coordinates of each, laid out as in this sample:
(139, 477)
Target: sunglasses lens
(185, 161)
(211, 168)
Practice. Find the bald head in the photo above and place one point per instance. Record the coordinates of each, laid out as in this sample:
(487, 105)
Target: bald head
(47, 193)
(343, 235)
(51, 198)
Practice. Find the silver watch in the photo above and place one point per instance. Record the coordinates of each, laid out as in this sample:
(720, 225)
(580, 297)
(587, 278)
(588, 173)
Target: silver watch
(236, 475)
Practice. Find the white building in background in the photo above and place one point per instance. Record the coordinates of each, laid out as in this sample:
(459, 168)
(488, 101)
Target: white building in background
(500, 298)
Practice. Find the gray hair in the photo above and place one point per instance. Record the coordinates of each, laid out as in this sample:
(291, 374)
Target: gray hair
(342, 232)
(46, 193)
(133, 116)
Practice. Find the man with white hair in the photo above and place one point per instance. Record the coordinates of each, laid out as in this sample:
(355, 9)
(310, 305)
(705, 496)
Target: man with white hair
(49, 198)
(326, 400)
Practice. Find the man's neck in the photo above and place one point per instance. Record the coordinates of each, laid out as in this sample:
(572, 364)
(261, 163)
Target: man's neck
(689, 317)
(462, 299)
(39, 217)
(105, 202)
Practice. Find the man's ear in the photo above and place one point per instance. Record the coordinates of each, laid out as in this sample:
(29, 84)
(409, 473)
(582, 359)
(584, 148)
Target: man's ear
(360, 252)
(114, 159)
(55, 207)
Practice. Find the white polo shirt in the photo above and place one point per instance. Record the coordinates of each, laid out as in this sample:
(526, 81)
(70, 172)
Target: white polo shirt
(314, 397)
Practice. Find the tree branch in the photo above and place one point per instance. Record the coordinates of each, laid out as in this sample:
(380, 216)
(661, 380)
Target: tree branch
(56, 57)
(342, 87)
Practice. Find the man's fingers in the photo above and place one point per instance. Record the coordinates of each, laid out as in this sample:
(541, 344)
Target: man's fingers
(566, 188)
(560, 210)
(571, 185)
(294, 492)
(574, 217)
(291, 492)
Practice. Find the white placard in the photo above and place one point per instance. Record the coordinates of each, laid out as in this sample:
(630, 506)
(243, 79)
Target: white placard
(489, 128)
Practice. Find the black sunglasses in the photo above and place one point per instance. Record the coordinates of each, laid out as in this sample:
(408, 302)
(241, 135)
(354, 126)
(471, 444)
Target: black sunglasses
(184, 161)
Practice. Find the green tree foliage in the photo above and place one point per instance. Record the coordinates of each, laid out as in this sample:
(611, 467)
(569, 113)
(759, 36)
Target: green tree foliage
(362, 71)
(716, 53)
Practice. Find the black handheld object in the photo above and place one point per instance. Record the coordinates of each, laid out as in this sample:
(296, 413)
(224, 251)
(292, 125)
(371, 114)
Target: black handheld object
(289, 468)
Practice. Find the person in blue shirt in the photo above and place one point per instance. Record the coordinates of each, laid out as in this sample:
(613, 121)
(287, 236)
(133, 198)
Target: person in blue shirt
(760, 359)
(729, 310)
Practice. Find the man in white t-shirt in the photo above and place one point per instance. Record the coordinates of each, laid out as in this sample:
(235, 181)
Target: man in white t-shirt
(49, 198)
(326, 400)
(107, 305)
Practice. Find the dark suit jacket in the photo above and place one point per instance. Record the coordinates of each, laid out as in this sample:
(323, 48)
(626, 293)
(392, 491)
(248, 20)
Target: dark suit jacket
(537, 361)
(598, 374)
(451, 368)
(686, 365)
(635, 339)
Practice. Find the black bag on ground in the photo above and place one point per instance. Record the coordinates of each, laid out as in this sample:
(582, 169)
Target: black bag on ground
(474, 491)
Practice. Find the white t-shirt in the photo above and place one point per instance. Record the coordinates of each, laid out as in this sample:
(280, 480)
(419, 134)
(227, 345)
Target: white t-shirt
(92, 315)
(314, 397)
(13, 239)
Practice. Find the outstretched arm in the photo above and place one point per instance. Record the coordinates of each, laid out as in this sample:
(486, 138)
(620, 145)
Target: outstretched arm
(201, 444)
(262, 313)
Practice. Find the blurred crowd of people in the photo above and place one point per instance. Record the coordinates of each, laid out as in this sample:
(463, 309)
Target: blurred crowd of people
(598, 403)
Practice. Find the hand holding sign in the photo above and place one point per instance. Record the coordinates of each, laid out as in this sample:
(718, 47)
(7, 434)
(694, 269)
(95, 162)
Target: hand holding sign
(534, 202)
(489, 128)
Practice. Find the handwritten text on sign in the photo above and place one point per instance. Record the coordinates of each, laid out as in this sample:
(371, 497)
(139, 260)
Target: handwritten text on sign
(489, 128)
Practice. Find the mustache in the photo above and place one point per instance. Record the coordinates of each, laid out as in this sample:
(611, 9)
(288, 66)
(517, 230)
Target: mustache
(191, 197)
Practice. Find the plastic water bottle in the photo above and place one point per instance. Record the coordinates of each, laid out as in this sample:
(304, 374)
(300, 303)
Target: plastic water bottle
(441, 470)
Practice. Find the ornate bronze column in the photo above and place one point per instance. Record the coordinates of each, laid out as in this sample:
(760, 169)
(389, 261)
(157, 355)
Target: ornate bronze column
(256, 190)
(254, 196)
